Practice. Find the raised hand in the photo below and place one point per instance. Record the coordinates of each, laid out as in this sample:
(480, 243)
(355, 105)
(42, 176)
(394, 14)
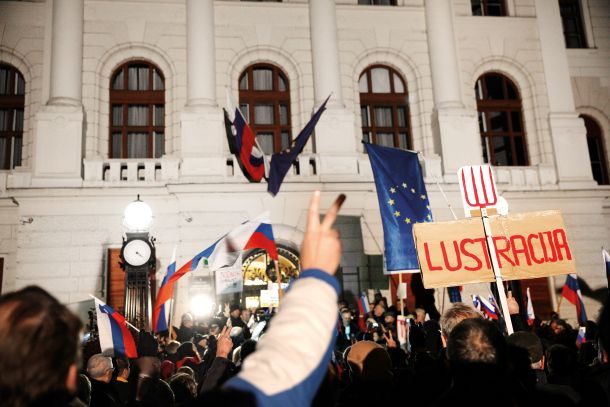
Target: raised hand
(513, 305)
(389, 340)
(224, 344)
(321, 248)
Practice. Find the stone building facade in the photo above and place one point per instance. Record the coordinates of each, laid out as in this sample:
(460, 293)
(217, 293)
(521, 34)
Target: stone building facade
(68, 177)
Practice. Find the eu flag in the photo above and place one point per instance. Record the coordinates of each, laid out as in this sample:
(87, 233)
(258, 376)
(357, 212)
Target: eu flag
(403, 201)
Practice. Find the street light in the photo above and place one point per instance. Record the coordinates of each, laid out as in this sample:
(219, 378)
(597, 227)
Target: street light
(138, 261)
(137, 216)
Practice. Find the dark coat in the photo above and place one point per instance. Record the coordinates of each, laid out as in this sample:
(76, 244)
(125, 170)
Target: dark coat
(103, 395)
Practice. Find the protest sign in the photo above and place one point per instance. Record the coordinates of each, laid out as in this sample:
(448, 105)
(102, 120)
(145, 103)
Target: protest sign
(527, 245)
(269, 298)
(229, 279)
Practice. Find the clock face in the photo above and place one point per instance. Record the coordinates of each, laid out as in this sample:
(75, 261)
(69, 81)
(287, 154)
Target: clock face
(137, 252)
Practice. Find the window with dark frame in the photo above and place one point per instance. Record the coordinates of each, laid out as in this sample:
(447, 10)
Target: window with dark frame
(377, 2)
(384, 108)
(137, 111)
(12, 102)
(597, 150)
(494, 8)
(571, 20)
(264, 100)
(501, 121)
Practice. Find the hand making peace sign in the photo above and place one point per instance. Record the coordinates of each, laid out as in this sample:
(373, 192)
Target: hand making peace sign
(321, 248)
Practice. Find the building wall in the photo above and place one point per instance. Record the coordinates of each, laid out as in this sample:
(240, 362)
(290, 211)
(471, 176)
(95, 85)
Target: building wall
(63, 248)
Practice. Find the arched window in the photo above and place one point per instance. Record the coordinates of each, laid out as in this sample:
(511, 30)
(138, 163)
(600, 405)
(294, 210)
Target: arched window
(384, 108)
(137, 111)
(12, 101)
(264, 100)
(597, 152)
(500, 120)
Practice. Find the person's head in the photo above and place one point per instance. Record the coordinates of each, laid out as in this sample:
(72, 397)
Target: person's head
(235, 311)
(453, 316)
(153, 392)
(475, 344)
(184, 387)
(369, 361)
(186, 369)
(531, 344)
(247, 348)
(100, 368)
(420, 315)
(346, 316)
(558, 326)
(187, 349)
(39, 346)
(389, 317)
(122, 367)
(187, 320)
(379, 310)
(214, 329)
(245, 315)
(172, 347)
(561, 360)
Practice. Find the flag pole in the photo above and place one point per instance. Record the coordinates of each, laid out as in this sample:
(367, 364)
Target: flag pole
(442, 191)
(402, 308)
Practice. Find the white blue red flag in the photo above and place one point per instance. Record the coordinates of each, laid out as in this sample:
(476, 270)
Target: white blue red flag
(476, 303)
(582, 332)
(242, 143)
(162, 321)
(253, 234)
(530, 309)
(488, 308)
(571, 292)
(113, 331)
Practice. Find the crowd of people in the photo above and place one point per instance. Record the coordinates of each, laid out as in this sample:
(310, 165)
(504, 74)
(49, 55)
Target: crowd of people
(310, 353)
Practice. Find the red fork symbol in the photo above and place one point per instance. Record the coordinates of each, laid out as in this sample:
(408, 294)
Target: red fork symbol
(488, 198)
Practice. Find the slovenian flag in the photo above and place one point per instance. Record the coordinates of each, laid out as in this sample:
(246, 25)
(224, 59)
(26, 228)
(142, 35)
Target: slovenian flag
(162, 321)
(476, 303)
(262, 238)
(581, 338)
(488, 308)
(166, 291)
(113, 331)
(571, 292)
(530, 309)
(242, 143)
(252, 234)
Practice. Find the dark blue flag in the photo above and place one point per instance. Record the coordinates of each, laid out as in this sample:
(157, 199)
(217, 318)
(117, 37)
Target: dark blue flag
(403, 202)
(281, 162)
(454, 294)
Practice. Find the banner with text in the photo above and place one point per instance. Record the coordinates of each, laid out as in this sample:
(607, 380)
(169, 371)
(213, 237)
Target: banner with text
(528, 245)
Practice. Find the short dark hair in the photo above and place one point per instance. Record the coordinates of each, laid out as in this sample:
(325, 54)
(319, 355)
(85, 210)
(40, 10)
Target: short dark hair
(184, 387)
(476, 341)
(39, 342)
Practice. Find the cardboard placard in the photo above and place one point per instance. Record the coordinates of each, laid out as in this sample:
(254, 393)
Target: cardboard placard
(269, 298)
(528, 245)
